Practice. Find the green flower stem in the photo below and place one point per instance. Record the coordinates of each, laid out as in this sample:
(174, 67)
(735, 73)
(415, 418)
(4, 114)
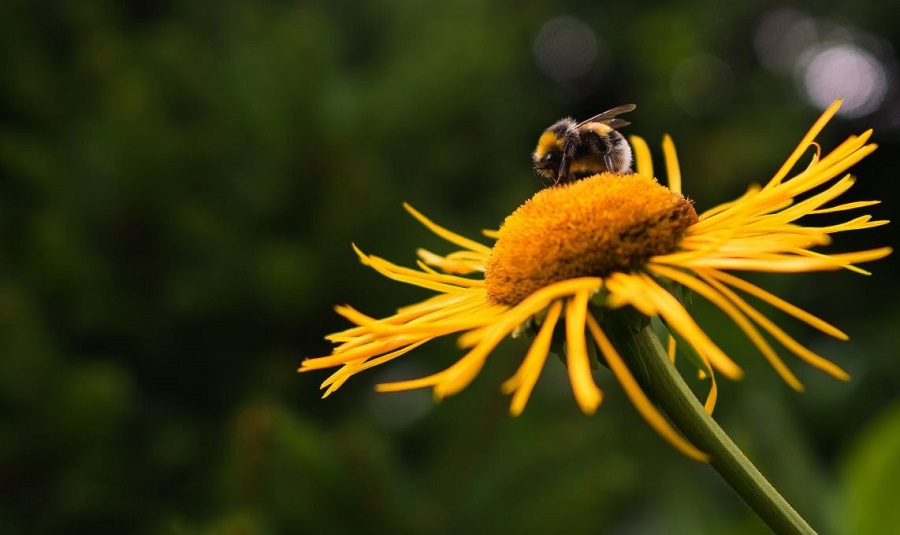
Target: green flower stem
(682, 407)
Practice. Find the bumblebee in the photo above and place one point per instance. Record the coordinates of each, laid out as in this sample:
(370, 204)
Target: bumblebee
(568, 150)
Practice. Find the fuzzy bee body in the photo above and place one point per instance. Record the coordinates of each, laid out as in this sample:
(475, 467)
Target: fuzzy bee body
(569, 150)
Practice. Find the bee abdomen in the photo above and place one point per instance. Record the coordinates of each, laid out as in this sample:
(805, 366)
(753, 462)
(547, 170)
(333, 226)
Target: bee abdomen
(605, 152)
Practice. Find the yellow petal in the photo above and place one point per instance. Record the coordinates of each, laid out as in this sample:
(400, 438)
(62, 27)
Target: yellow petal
(522, 383)
(587, 394)
(451, 237)
(638, 398)
(673, 172)
(737, 317)
(643, 162)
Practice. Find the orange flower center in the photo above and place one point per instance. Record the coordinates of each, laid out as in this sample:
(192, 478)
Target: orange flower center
(589, 228)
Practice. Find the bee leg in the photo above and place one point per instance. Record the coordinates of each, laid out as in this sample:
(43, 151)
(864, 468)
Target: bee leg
(563, 169)
(568, 156)
(600, 145)
(610, 162)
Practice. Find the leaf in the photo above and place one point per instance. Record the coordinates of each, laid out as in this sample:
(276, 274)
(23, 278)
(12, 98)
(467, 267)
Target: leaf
(871, 485)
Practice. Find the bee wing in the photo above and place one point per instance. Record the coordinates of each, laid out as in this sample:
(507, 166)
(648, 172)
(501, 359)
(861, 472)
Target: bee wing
(616, 123)
(608, 117)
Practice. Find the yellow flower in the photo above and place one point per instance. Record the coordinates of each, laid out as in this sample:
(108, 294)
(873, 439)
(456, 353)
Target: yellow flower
(582, 252)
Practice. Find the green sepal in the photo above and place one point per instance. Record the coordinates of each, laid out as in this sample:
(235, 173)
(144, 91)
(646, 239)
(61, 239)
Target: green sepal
(598, 299)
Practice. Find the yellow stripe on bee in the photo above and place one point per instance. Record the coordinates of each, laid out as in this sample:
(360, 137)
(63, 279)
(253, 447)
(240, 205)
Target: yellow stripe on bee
(547, 142)
(588, 164)
(598, 128)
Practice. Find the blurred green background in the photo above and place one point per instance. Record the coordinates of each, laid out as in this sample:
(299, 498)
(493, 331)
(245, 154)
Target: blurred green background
(179, 186)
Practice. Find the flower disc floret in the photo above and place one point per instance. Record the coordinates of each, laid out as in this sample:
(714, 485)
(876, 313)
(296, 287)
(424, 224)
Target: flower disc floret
(594, 227)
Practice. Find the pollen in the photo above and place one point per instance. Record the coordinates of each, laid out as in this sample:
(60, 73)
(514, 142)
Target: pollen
(594, 227)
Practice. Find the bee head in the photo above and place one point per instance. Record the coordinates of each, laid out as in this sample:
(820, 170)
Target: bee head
(549, 151)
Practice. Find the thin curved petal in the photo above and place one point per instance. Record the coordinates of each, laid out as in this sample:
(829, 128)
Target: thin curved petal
(522, 383)
(587, 394)
(637, 396)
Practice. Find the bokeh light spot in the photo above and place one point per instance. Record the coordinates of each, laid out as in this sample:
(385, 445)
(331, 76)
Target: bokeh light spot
(844, 71)
(783, 34)
(565, 49)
